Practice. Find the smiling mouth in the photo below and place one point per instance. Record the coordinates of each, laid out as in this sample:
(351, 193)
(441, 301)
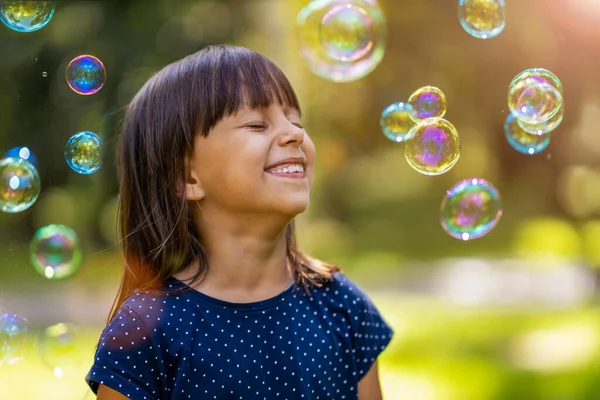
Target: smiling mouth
(295, 170)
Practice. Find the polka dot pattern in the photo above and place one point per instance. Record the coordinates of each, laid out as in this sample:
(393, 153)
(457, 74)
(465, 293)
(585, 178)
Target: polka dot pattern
(187, 345)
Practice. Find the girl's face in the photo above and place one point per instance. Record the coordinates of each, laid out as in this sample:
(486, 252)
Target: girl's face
(257, 161)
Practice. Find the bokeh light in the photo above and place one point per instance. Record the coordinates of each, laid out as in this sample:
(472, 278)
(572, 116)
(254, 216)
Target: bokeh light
(26, 16)
(523, 141)
(86, 75)
(428, 102)
(19, 184)
(470, 209)
(483, 19)
(14, 337)
(397, 121)
(342, 40)
(55, 252)
(434, 147)
(83, 153)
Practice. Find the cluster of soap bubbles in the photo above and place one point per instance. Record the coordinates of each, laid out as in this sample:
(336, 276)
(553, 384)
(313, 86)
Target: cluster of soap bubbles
(344, 40)
(55, 252)
(535, 99)
(431, 143)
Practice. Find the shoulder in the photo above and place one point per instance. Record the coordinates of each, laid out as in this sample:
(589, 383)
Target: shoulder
(343, 288)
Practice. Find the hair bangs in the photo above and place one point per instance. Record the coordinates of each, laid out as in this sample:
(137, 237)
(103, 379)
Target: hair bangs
(243, 78)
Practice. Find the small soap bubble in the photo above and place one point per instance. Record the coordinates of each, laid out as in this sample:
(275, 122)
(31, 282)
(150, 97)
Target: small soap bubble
(523, 141)
(61, 348)
(26, 16)
(428, 102)
(55, 252)
(24, 153)
(14, 338)
(342, 40)
(545, 127)
(86, 75)
(434, 147)
(347, 32)
(532, 101)
(397, 120)
(483, 19)
(470, 209)
(19, 184)
(44, 74)
(83, 153)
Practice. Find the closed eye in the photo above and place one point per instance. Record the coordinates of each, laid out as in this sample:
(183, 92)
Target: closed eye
(256, 127)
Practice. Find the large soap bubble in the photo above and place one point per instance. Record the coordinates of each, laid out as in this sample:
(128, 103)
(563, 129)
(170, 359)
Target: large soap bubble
(342, 40)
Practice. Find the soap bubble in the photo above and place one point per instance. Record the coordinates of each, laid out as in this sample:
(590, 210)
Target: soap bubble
(482, 19)
(14, 338)
(470, 209)
(83, 153)
(397, 121)
(539, 75)
(523, 141)
(86, 75)
(428, 102)
(545, 127)
(534, 102)
(342, 40)
(24, 153)
(434, 147)
(62, 349)
(55, 251)
(44, 74)
(26, 16)
(19, 184)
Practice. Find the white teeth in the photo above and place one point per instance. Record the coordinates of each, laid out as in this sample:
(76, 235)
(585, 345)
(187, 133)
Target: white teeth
(288, 169)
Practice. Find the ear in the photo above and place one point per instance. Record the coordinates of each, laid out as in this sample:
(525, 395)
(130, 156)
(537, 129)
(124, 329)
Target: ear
(193, 187)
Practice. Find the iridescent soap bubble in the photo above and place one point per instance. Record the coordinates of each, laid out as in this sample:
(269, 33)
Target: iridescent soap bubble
(539, 75)
(342, 40)
(545, 127)
(482, 19)
(523, 141)
(19, 184)
(83, 153)
(14, 338)
(86, 75)
(434, 147)
(347, 32)
(55, 252)
(470, 209)
(62, 349)
(428, 102)
(534, 102)
(397, 120)
(26, 16)
(24, 153)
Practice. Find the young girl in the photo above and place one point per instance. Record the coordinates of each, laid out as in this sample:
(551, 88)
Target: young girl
(216, 302)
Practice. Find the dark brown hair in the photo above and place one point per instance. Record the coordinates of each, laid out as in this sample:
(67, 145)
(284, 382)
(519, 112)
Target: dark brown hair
(156, 226)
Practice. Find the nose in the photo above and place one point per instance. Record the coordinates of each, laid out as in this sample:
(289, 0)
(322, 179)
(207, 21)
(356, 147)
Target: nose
(292, 134)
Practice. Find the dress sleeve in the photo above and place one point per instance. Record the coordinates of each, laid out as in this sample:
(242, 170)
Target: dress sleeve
(371, 333)
(126, 359)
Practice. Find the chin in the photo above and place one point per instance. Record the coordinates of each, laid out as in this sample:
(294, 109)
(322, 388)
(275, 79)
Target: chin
(294, 205)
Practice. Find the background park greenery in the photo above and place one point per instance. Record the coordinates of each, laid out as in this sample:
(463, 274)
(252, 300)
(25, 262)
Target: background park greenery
(463, 330)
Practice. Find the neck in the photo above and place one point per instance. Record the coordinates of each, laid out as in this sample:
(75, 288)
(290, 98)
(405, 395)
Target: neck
(246, 261)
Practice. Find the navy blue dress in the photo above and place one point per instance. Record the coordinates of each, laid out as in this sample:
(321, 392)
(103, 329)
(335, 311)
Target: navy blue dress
(187, 345)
